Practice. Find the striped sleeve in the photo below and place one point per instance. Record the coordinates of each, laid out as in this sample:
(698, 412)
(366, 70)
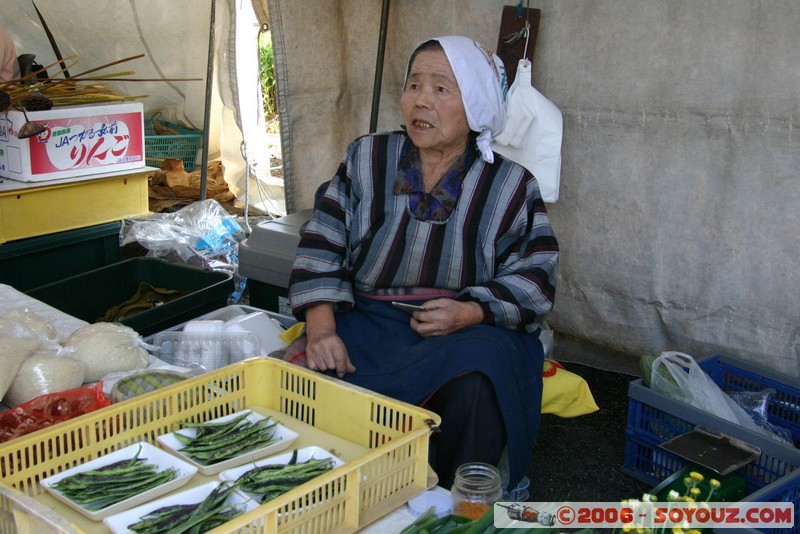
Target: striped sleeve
(521, 291)
(320, 272)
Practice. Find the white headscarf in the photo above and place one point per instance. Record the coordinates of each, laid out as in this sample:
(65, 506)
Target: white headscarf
(482, 81)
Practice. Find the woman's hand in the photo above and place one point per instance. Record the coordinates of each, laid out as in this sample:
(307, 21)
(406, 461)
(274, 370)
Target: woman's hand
(445, 316)
(325, 350)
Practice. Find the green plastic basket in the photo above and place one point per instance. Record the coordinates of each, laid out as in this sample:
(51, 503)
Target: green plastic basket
(160, 147)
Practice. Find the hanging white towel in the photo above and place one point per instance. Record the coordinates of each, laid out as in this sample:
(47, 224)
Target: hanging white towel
(533, 132)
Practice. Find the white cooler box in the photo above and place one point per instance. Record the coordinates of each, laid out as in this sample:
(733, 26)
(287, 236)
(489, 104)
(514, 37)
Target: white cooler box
(266, 259)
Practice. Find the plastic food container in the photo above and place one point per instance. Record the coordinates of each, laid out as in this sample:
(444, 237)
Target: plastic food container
(206, 350)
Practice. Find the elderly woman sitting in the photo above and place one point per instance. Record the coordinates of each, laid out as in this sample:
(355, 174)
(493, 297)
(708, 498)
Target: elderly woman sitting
(431, 216)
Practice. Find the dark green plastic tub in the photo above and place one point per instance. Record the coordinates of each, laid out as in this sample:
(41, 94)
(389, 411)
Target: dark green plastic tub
(89, 295)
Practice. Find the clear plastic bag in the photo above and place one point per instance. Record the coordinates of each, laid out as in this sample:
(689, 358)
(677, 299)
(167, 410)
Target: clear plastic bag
(202, 233)
(678, 376)
(756, 403)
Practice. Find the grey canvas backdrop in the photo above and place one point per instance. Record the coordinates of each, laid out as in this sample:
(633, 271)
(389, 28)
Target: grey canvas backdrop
(678, 216)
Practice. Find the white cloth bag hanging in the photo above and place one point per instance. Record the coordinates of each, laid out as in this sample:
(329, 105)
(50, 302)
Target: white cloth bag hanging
(533, 132)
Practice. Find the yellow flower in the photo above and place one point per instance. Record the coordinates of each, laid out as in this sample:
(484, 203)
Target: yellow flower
(714, 484)
(696, 476)
(694, 492)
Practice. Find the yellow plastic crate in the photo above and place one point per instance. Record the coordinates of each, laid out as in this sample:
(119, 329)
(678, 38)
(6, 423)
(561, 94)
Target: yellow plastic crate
(390, 468)
(29, 210)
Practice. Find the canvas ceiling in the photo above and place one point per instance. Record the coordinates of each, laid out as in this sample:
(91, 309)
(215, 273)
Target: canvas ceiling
(678, 215)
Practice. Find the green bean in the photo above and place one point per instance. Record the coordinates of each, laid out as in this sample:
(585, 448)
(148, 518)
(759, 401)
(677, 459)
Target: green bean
(273, 480)
(99, 488)
(217, 442)
(211, 512)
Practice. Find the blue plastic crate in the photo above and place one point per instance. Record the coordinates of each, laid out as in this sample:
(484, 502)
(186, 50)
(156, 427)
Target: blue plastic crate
(653, 418)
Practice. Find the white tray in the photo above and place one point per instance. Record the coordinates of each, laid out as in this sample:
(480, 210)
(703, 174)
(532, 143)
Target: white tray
(119, 523)
(154, 455)
(284, 437)
(303, 455)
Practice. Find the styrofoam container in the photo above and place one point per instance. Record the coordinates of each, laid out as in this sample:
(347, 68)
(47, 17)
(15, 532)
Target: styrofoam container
(262, 325)
(283, 437)
(303, 455)
(119, 523)
(162, 459)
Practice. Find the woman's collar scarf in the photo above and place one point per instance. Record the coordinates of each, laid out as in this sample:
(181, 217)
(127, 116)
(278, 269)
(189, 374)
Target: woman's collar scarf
(437, 205)
(482, 81)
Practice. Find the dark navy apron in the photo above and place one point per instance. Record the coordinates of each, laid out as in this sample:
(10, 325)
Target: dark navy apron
(393, 360)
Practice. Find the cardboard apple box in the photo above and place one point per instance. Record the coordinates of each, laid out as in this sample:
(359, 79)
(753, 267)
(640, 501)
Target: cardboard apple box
(77, 141)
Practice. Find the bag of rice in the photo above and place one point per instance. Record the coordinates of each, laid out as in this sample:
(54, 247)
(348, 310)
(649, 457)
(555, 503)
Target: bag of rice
(107, 348)
(43, 328)
(44, 371)
(20, 334)
(13, 353)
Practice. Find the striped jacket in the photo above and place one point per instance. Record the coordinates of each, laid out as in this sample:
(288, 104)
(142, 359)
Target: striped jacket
(496, 248)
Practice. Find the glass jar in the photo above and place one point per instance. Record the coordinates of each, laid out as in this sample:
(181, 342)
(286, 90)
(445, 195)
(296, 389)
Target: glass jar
(476, 488)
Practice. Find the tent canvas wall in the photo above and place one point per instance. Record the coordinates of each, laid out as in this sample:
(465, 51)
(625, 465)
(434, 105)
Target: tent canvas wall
(677, 214)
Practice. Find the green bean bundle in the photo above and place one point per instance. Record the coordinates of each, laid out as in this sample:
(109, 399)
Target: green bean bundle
(98, 488)
(216, 442)
(191, 518)
(273, 480)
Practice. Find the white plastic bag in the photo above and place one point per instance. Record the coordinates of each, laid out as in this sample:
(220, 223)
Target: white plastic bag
(533, 132)
(678, 376)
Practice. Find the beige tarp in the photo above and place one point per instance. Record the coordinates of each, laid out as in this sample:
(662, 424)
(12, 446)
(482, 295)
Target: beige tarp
(678, 217)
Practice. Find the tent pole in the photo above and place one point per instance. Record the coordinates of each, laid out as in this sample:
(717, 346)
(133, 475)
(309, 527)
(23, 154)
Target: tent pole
(207, 113)
(376, 90)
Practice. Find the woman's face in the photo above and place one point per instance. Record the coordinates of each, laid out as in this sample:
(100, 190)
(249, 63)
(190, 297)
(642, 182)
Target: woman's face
(432, 107)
